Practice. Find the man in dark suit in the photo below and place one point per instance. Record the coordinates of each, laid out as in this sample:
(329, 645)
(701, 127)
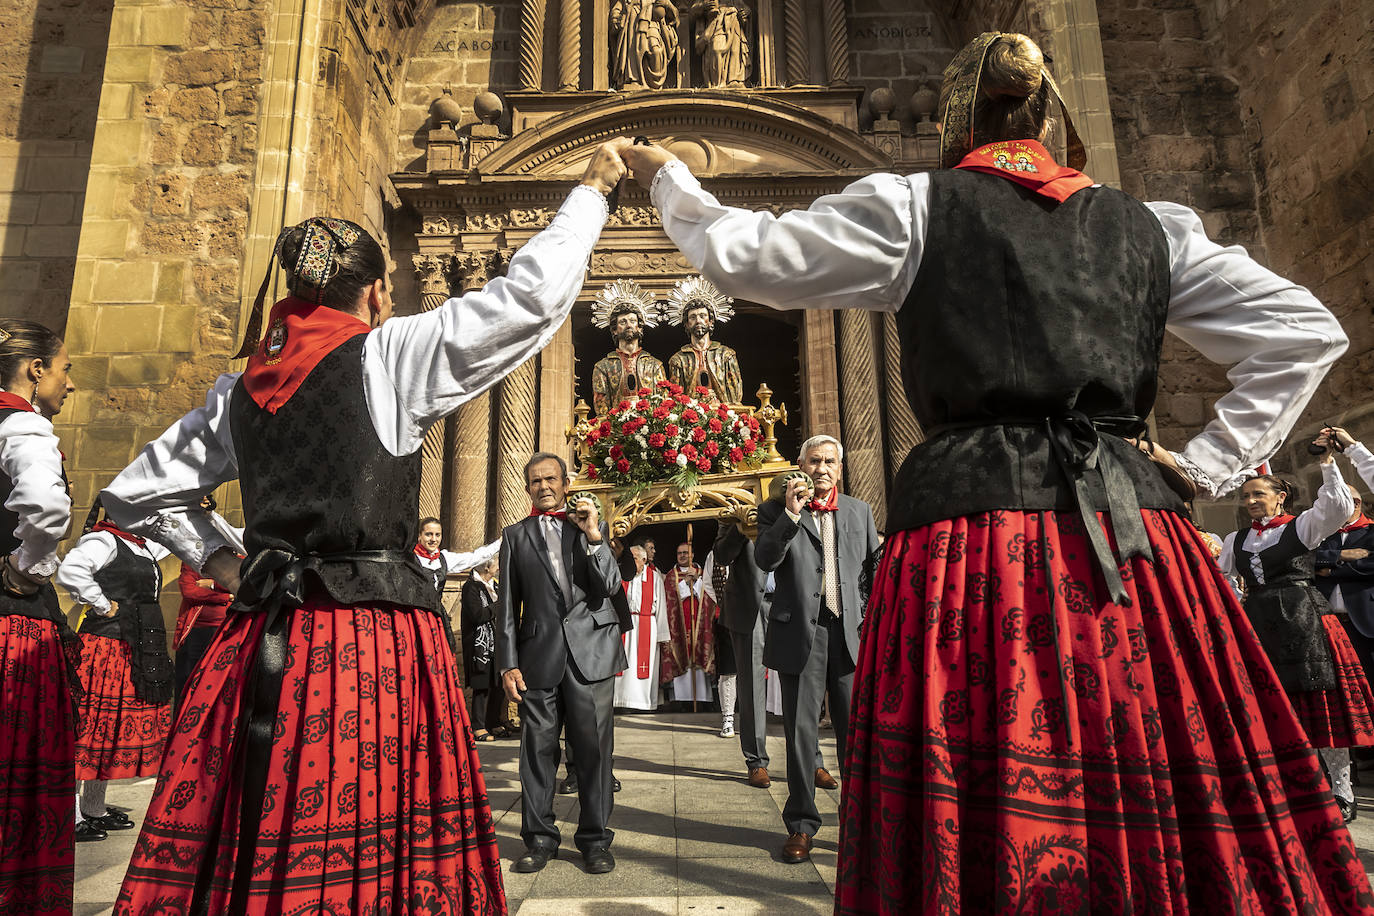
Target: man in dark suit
(558, 649)
(1345, 575)
(741, 613)
(815, 543)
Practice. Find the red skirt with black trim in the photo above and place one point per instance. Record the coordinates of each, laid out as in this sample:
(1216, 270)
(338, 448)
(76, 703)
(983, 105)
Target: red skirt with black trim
(375, 801)
(1343, 717)
(37, 786)
(1019, 744)
(121, 736)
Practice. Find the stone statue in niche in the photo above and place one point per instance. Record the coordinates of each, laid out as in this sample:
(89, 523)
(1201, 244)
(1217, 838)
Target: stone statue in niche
(644, 44)
(722, 40)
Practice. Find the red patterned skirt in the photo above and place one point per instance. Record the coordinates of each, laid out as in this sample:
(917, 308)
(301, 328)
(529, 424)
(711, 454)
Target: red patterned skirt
(1019, 744)
(37, 786)
(1343, 717)
(374, 802)
(120, 736)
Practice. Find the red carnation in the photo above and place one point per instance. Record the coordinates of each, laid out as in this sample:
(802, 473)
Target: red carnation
(669, 455)
(664, 384)
(736, 455)
(671, 429)
(643, 392)
(674, 388)
(698, 435)
(605, 429)
(682, 399)
(617, 451)
(690, 415)
(593, 435)
(641, 404)
(657, 440)
(712, 449)
(623, 405)
(623, 465)
(753, 425)
(704, 465)
(715, 425)
(749, 446)
(701, 391)
(661, 412)
(591, 472)
(690, 451)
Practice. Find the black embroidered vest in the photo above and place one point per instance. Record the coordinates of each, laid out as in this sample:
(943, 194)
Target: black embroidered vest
(1286, 611)
(317, 482)
(1022, 309)
(134, 582)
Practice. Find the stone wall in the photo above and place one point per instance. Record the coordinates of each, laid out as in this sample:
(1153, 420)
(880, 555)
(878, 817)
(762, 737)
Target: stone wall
(52, 60)
(901, 45)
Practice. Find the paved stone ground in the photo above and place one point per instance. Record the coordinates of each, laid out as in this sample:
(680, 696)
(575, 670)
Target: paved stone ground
(691, 836)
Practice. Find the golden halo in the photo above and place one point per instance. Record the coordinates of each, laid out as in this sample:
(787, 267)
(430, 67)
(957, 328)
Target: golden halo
(621, 296)
(695, 292)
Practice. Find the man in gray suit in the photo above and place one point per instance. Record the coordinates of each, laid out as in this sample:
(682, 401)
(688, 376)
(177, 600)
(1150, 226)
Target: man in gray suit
(558, 649)
(815, 543)
(741, 612)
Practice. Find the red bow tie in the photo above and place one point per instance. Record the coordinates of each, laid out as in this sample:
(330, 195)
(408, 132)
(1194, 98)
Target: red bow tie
(1274, 522)
(555, 513)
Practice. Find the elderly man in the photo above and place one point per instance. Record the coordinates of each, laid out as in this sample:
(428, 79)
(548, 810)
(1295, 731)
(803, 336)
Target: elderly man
(637, 686)
(815, 542)
(741, 614)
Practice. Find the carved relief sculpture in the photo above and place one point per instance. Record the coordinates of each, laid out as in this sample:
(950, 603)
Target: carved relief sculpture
(644, 44)
(698, 306)
(722, 41)
(627, 310)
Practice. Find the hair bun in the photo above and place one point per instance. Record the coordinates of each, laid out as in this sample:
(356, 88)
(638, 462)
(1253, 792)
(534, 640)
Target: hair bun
(1014, 67)
(289, 249)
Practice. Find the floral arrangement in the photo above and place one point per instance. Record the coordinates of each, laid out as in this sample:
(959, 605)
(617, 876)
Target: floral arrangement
(668, 435)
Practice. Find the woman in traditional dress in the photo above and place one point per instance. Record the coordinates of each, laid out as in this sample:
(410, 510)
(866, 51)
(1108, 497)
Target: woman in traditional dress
(126, 673)
(1309, 648)
(38, 652)
(1059, 705)
(203, 604)
(322, 760)
(441, 563)
(479, 646)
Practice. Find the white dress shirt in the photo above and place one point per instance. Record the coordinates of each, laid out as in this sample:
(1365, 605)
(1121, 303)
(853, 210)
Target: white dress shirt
(30, 458)
(415, 369)
(93, 553)
(1329, 511)
(461, 562)
(861, 248)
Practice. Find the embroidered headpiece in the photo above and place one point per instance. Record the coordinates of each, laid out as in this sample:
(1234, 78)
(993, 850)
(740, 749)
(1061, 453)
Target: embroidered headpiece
(622, 297)
(694, 293)
(963, 74)
(316, 264)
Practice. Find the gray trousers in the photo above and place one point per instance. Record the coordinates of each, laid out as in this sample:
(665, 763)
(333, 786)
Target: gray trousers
(828, 667)
(586, 708)
(751, 704)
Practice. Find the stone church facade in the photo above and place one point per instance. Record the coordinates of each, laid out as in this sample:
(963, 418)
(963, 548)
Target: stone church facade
(151, 150)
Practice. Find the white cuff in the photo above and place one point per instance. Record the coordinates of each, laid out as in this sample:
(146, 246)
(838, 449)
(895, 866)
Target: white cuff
(674, 170)
(41, 566)
(1206, 486)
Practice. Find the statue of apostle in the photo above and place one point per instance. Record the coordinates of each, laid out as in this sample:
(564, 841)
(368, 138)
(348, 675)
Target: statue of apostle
(644, 43)
(627, 310)
(722, 40)
(698, 306)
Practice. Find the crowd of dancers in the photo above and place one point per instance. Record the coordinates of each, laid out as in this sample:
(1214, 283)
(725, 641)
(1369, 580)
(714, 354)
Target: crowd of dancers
(1057, 702)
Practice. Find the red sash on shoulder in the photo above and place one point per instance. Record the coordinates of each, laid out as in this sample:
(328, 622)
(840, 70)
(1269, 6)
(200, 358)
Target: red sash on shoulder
(106, 525)
(299, 335)
(9, 399)
(1028, 164)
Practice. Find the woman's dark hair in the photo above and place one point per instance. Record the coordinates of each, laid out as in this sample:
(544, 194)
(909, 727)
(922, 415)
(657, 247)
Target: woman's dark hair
(92, 517)
(355, 268)
(22, 341)
(1013, 95)
(430, 520)
(1278, 484)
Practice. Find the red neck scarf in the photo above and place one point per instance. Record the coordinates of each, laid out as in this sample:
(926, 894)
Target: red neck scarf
(1274, 522)
(1028, 164)
(421, 552)
(106, 525)
(556, 513)
(10, 399)
(1361, 522)
(299, 335)
(830, 504)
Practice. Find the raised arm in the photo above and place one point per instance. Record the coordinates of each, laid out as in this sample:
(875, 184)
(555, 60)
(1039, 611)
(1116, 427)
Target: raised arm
(1329, 511)
(158, 495)
(856, 249)
(1277, 338)
(30, 458)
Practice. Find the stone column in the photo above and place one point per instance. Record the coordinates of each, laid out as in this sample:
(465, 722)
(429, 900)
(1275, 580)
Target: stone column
(601, 66)
(469, 479)
(766, 52)
(570, 44)
(820, 377)
(556, 391)
(836, 42)
(515, 442)
(798, 51)
(531, 44)
(903, 432)
(432, 271)
(863, 432)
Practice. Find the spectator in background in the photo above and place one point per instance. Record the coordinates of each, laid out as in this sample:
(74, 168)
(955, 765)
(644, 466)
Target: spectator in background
(203, 604)
(1345, 560)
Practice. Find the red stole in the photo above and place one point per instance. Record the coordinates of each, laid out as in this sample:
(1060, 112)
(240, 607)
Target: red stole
(425, 554)
(1274, 522)
(106, 525)
(299, 335)
(642, 625)
(1028, 164)
(1361, 522)
(10, 399)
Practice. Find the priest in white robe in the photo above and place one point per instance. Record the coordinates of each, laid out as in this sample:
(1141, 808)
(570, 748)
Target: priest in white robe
(637, 686)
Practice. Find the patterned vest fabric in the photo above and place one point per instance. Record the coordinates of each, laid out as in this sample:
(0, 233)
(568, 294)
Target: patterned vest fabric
(1024, 309)
(134, 582)
(317, 481)
(1286, 611)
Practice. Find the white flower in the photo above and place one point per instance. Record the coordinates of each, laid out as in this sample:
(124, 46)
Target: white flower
(682, 461)
(672, 418)
(731, 414)
(610, 462)
(643, 443)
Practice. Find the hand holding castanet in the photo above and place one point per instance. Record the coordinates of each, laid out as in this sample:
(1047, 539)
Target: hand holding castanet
(797, 496)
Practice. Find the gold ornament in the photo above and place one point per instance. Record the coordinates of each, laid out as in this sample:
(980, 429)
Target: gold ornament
(622, 296)
(697, 292)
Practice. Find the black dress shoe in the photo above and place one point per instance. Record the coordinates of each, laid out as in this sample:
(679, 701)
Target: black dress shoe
(598, 860)
(112, 820)
(87, 832)
(568, 786)
(615, 784)
(1349, 809)
(534, 859)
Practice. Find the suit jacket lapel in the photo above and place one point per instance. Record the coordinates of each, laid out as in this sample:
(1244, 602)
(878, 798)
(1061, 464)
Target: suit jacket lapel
(808, 524)
(569, 542)
(534, 527)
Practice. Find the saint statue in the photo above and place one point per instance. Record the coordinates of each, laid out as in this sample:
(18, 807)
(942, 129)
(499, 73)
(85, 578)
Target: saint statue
(697, 305)
(644, 43)
(722, 40)
(627, 310)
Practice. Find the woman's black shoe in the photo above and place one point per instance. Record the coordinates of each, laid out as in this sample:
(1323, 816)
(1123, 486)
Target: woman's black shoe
(112, 820)
(88, 832)
(1349, 809)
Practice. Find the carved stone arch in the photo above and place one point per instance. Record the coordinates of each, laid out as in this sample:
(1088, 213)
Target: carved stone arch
(728, 132)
